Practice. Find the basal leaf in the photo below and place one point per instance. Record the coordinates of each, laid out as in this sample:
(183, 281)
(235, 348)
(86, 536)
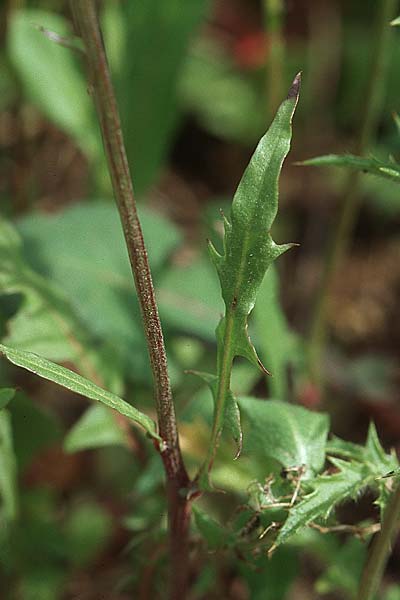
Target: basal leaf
(373, 166)
(95, 429)
(292, 435)
(328, 491)
(76, 383)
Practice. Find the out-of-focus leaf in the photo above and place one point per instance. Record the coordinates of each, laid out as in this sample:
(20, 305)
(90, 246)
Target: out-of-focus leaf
(33, 429)
(82, 250)
(51, 77)
(78, 384)
(46, 322)
(213, 533)
(147, 81)
(8, 466)
(96, 428)
(190, 299)
(289, 434)
(373, 166)
(393, 591)
(6, 394)
(278, 345)
(271, 578)
(396, 21)
(236, 111)
(344, 572)
(87, 530)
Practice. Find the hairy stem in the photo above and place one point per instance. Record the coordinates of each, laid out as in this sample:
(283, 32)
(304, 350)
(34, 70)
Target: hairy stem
(102, 91)
(380, 549)
(350, 206)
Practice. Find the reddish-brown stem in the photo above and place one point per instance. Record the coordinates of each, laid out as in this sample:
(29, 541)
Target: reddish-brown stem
(87, 24)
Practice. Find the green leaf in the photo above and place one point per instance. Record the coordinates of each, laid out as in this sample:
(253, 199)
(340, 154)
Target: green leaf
(190, 299)
(248, 251)
(213, 533)
(81, 251)
(6, 394)
(87, 530)
(51, 77)
(395, 21)
(34, 429)
(95, 429)
(45, 322)
(149, 116)
(373, 166)
(328, 491)
(78, 384)
(8, 468)
(379, 463)
(232, 413)
(248, 247)
(289, 434)
(279, 346)
(344, 572)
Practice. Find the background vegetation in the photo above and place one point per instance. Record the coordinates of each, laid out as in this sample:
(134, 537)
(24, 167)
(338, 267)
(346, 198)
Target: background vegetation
(83, 510)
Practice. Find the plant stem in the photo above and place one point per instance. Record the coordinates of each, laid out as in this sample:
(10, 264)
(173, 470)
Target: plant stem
(273, 11)
(350, 207)
(101, 88)
(380, 549)
(224, 368)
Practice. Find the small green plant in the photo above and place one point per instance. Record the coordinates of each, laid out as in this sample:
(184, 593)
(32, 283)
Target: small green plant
(293, 476)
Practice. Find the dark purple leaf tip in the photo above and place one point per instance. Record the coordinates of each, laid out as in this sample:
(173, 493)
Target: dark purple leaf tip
(295, 87)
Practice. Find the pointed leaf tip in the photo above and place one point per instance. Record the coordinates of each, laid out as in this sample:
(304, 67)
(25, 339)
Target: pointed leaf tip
(295, 87)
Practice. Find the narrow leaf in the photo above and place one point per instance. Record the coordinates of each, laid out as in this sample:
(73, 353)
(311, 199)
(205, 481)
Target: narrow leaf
(76, 383)
(373, 166)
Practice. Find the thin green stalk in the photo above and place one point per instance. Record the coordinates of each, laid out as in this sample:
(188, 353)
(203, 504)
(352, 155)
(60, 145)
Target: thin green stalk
(380, 550)
(274, 10)
(350, 207)
(101, 88)
(224, 368)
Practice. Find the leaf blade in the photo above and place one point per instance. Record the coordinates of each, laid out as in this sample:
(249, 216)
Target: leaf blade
(78, 384)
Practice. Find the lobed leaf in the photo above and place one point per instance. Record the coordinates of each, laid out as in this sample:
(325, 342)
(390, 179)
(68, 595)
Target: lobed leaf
(328, 491)
(248, 246)
(78, 384)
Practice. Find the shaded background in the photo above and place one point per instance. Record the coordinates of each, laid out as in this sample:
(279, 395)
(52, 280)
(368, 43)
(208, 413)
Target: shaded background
(197, 84)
